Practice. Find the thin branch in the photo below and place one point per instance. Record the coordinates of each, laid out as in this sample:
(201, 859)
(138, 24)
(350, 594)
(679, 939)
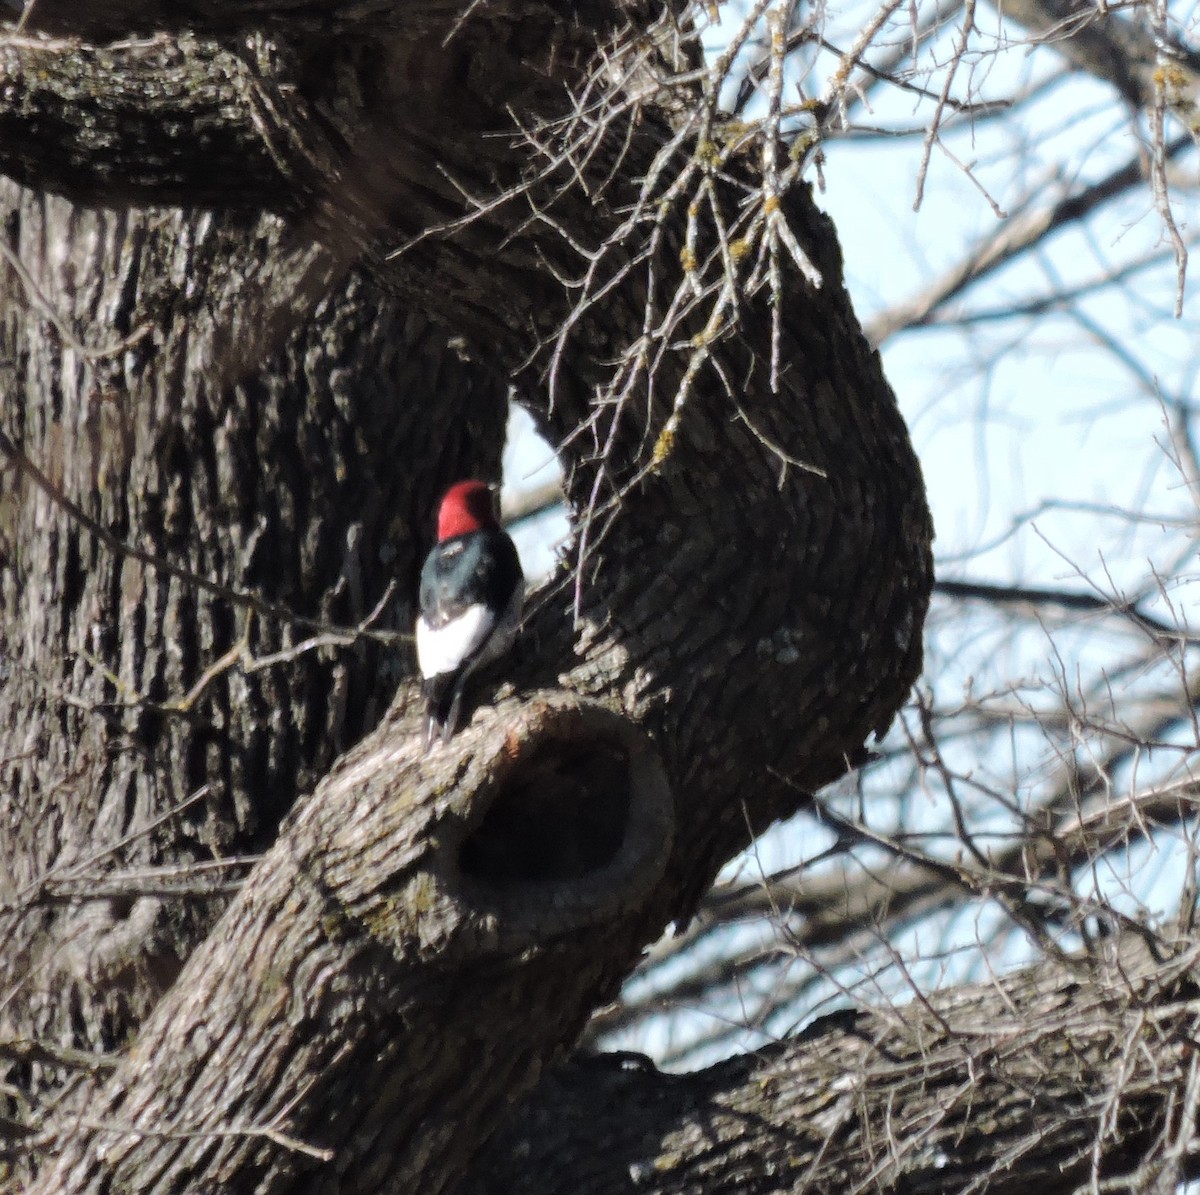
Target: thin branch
(1016, 236)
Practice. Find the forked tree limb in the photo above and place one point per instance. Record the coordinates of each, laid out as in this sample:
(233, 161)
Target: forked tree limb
(746, 593)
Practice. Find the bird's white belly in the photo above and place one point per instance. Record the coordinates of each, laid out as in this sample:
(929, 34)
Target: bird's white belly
(443, 649)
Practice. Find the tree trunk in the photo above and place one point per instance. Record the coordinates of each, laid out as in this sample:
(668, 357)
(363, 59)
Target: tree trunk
(750, 573)
(231, 406)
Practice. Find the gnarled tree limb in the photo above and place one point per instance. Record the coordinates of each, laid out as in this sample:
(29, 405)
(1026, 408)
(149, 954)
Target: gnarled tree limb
(749, 581)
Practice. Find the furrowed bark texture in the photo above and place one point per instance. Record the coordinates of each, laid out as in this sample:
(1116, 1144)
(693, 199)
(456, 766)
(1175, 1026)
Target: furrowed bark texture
(147, 118)
(425, 935)
(235, 405)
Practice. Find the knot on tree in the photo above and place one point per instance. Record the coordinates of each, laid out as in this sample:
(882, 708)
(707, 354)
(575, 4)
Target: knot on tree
(550, 815)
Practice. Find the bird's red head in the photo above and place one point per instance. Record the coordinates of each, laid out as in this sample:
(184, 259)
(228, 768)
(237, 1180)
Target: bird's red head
(466, 506)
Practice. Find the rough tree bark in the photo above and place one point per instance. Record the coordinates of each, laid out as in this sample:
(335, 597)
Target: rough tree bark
(1044, 1081)
(246, 397)
(234, 413)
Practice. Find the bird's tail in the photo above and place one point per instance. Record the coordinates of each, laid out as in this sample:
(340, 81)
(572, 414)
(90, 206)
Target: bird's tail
(440, 693)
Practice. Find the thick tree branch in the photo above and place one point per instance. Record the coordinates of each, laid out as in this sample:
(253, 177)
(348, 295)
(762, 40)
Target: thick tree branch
(1041, 1081)
(153, 120)
(111, 19)
(1144, 66)
(410, 896)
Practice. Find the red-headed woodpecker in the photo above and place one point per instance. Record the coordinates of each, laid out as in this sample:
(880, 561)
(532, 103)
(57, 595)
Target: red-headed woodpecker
(470, 602)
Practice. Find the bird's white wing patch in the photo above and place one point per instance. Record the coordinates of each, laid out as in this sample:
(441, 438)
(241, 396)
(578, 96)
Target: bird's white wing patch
(443, 649)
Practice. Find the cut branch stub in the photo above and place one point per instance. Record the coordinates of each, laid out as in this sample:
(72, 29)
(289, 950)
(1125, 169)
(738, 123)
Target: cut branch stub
(561, 819)
(387, 917)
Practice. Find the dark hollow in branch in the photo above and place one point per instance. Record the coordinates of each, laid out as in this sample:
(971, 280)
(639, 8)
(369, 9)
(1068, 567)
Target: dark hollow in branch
(561, 818)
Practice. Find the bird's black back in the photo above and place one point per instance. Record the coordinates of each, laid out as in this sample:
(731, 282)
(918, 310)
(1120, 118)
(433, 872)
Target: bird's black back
(481, 566)
(467, 570)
